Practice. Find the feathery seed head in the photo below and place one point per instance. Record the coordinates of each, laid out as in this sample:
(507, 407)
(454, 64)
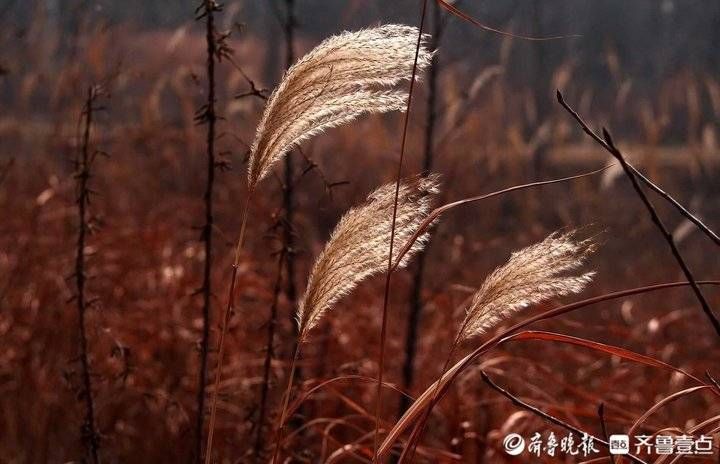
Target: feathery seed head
(358, 247)
(347, 75)
(531, 275)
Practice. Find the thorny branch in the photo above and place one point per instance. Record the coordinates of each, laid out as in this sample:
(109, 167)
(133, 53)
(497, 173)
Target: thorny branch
(216, 49)
(83, 165)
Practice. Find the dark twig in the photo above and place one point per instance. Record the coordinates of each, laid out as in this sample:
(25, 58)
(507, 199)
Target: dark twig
(254, 90)
(520, 403)
(607, 143)
(687, 214)
(603, 426)
(416, 303)
(453, 9)
(83, 164)
(386, 296)
(207, 116)
(269, 355)
(311, 165)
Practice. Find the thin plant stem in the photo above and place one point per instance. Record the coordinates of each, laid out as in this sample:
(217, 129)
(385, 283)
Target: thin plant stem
(286, 401)
(416, 301)
(224, 328)
(416, 435)
(688, 215)
(386, 297)
(437, 212)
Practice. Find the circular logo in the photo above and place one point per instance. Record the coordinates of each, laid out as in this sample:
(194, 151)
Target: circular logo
(514, 444)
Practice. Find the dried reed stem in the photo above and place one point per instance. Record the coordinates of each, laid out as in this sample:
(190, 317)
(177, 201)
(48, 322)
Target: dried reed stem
(386, 296)
(281, 419)
(607, 143)
(224, 328)
(82, 176)
(416, 302)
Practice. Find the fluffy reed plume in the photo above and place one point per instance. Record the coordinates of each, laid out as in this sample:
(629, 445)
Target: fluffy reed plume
(357, 248)
(531, 275)
(347, 75)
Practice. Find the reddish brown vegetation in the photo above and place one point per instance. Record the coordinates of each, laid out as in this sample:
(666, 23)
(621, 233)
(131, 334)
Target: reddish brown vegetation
(145, 262)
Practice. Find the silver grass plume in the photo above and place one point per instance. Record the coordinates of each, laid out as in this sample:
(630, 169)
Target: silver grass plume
(346, 76)
(357, 248)
(531, 275)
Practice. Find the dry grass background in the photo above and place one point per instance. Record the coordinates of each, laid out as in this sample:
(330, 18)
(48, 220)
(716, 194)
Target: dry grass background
(146, 259)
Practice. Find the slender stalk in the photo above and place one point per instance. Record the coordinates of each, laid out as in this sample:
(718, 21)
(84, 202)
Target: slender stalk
(420, 427)
(210, 118)
(289, 188)
(607, 143)
(383, 329)
(414, 439)
(286, 401)
(90, 435)
(416, 303)
(688, 215)
(223, 330)
(269, 355)
(437, 212)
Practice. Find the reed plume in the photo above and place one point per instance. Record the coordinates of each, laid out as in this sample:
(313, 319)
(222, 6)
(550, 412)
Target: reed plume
(355, 251)
(346, 76)
(531, 275)
(357, 248)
